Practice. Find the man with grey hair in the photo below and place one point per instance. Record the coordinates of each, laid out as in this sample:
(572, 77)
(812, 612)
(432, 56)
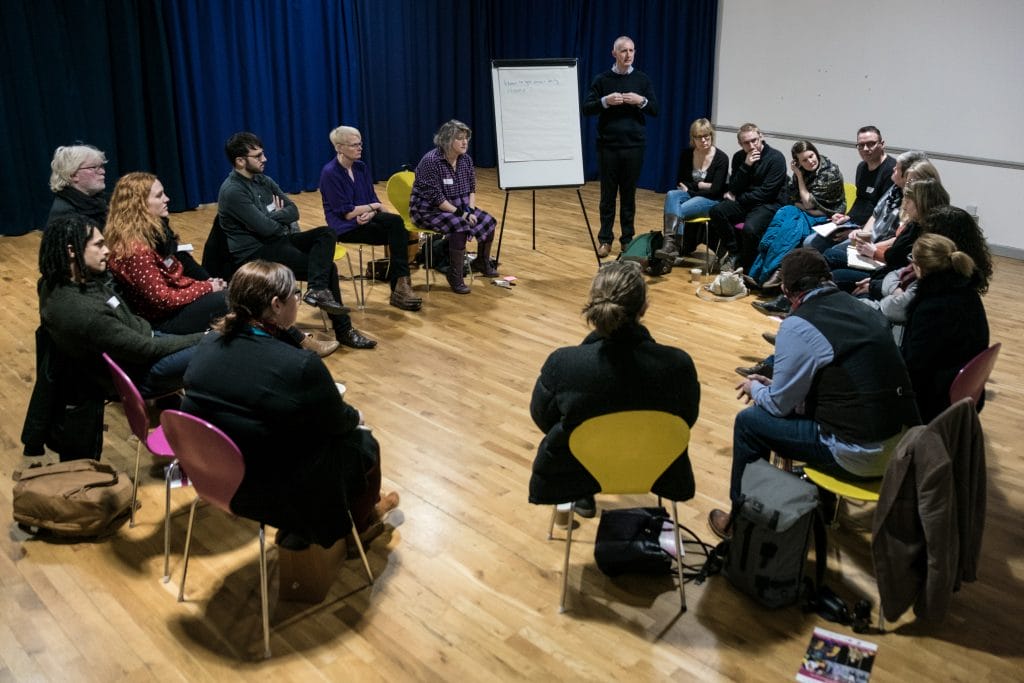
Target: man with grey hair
(77, 179)
(622, 98)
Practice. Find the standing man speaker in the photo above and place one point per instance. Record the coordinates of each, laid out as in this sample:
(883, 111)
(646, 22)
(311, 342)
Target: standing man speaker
(622, 98)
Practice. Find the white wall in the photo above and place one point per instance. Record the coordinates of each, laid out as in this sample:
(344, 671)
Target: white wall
(946, 77)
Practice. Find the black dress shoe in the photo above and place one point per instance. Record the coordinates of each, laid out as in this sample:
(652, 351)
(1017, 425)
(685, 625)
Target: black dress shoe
(323, 299)
(769, 337)
(761, 368)
(354, 339)
(779, 304)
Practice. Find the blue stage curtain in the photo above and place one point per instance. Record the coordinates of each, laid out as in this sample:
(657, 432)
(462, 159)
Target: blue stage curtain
(282, 70)
(90, 71)
(161, 85)
(675, 47)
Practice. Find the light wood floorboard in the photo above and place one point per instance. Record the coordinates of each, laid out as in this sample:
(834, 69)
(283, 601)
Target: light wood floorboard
(468, 584)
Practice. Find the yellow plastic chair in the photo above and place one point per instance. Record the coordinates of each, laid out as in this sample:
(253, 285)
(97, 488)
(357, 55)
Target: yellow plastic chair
(627, 452)
(707, 239)
(399, 189)
(851, 194)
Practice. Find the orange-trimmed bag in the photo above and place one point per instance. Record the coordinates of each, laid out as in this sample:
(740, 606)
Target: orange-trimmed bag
(73, 498)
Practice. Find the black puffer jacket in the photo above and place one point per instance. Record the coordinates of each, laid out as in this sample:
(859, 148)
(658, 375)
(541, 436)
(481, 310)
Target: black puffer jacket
(627, 371)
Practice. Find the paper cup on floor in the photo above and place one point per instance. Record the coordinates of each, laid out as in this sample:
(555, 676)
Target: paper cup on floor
(695, 274)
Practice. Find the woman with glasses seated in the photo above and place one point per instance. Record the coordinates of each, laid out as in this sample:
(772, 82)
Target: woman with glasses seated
(444, 200)
(308, 456)
(617, 367)
(703, 172)
(355, 214)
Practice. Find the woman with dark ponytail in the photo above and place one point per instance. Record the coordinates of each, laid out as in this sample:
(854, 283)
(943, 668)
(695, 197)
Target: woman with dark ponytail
(618, 367)
(308, 456)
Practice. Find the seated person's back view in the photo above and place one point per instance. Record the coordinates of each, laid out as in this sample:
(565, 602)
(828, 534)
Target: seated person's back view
(261, 222)
(308, 458)
(86, 317)
(618, 367)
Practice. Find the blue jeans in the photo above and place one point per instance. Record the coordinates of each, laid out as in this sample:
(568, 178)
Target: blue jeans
(679, 203)
(167, 375)
(756, 433)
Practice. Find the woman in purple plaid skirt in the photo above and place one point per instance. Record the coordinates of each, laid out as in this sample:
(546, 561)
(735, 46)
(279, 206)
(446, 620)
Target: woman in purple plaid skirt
(444, 200)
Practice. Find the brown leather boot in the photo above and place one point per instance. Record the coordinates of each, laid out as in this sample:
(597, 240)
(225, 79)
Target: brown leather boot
(403, 297)
(456, 270)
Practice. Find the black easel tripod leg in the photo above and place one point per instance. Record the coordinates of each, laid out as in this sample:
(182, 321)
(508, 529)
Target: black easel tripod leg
(590, 231)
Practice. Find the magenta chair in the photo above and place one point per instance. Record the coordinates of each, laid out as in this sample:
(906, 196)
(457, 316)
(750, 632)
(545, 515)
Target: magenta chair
(154, 441)
(970, 381)
(215, 467)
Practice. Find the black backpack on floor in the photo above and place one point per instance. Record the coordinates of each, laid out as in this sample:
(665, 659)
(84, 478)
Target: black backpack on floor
(771, 530)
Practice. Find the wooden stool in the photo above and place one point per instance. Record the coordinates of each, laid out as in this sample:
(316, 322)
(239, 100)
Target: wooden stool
(307, 575)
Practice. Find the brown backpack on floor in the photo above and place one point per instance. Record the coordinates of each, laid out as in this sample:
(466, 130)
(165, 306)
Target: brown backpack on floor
(74, 498)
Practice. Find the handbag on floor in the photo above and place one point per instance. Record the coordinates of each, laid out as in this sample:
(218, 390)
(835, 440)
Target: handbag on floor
(74, 498)
(628, 542)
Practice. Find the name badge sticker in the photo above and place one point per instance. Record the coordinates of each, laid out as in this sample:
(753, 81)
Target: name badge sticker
(113, 302)
(448, 181)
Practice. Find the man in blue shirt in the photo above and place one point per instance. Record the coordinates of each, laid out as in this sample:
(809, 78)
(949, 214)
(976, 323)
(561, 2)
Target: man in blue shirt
(839, 398)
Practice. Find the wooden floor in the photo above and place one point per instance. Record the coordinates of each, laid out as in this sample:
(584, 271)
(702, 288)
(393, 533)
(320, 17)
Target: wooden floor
(467, 583)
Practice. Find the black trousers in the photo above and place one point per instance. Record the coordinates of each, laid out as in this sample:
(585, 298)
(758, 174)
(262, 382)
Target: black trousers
(196, 316)
(726, 214)
(389, 229)
(310, 255)
(620, 170)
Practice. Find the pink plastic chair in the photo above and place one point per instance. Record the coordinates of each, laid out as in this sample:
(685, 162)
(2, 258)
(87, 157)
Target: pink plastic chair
(970, 381)
(154, 441)
(215, 467)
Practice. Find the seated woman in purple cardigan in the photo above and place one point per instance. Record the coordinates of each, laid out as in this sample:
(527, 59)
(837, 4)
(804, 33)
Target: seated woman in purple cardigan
(354, 213)
(444, 200)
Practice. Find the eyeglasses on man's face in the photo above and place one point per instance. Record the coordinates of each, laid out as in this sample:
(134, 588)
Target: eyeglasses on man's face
(868, 146)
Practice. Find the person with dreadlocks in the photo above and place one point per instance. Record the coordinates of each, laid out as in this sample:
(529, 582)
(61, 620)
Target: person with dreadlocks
(86, 317)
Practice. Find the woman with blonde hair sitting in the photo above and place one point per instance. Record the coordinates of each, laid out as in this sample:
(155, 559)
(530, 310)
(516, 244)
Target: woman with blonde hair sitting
(617, 367)
(946, 322)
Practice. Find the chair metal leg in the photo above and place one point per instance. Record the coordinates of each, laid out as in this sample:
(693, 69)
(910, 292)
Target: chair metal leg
(428, 258)
(264, 593)
(135, 487)
(359, 547)
(168, 477)
(551, 526)
(565, 566)
(352, 275)
(360, 293)
(188, 547)
(679, 558)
